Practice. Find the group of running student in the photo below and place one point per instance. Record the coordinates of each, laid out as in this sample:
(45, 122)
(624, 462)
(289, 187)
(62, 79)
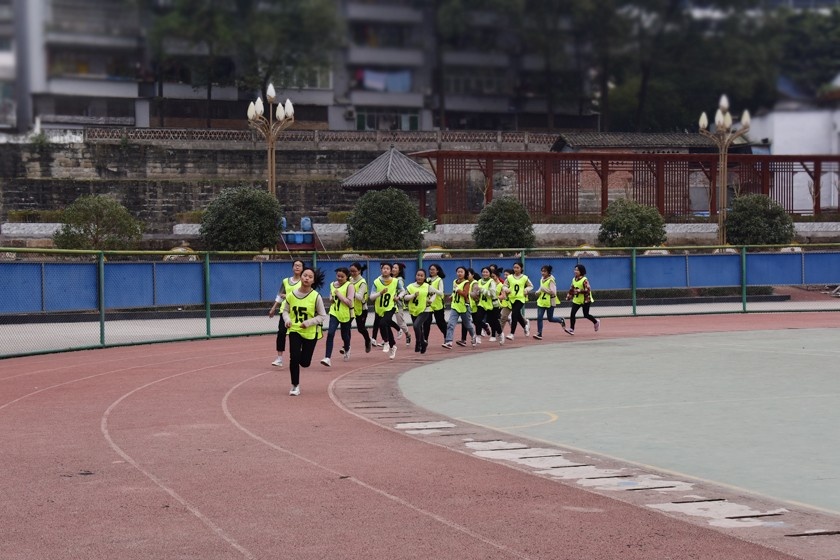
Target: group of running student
(484, 303)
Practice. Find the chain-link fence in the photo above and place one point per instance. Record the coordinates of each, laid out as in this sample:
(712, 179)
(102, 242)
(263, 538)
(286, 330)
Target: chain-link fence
(65, 300)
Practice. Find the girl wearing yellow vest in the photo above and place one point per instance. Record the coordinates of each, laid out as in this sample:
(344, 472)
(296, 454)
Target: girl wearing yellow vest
(398, 272)
(472, 304)
(384, 294)
(518, 286)
(303, 315)
(488, 304)
(436, 276)
(419, 300)
(341, 313)
(581, 295)
(546, 298)
(460, 300)
(502, 311)
(360, 301)
(286, 286)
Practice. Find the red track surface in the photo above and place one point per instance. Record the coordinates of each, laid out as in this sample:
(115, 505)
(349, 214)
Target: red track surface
(195, 450)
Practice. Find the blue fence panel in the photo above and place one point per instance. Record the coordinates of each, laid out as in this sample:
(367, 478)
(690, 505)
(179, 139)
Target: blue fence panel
(234, 282)
(20, 284)
(767, 269)
(661, 271)
(822, 268)
(71, 286)
(604, 273)
(179, 283)
(710, 271)
(272, 274)
(129, 285)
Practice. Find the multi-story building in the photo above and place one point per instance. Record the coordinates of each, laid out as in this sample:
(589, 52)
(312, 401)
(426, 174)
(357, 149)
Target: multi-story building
(89, 63)
(77, 63)
(8, 116)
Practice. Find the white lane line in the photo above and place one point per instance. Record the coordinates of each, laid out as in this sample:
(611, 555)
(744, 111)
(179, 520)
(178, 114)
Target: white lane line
(417, 509)
(218, 531)
(79, 364)
(57, 385)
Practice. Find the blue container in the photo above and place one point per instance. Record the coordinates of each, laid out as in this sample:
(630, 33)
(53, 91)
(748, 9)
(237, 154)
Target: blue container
(306, 224)
(307, 238)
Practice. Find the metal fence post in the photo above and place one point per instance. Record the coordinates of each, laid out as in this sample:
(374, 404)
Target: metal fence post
(101, 270)
(633, 280)
(744, 278)
(207, 293)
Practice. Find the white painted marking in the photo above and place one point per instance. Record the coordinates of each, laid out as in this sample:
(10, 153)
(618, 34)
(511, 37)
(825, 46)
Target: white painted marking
(583, 471)
(496, 444)
(425, 432)
(640, 482)
(718, 512)
(422, 425)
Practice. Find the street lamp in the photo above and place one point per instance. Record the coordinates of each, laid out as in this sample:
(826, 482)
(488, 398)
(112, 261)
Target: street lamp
(270, 127)
(723, 136)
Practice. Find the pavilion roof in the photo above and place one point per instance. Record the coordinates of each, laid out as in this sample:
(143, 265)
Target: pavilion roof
(391, 169)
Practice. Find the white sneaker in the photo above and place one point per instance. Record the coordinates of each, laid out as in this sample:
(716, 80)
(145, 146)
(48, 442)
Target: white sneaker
(447, 345)
(399, 334)
(346, 355)
(477, 340)
(492, 339)
(386, 347)
(295, 391)
(501, 340)
(326, 362)
(374, 343)
(393, 352)
(527, 327)
(509, 336)
(278, 362)
(597, 324)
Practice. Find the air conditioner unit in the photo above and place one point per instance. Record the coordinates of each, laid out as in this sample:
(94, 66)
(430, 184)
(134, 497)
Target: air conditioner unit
(350, 114)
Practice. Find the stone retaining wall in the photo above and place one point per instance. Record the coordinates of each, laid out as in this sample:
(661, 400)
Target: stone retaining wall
(452, 236)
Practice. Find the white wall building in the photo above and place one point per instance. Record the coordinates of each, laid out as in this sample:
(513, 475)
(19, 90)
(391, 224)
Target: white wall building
(797, 127)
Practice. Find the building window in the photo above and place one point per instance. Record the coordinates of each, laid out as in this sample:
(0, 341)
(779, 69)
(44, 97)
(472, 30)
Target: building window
(394, 81)
(311, 78)
(371, 118)
(66, 62)
(477, 81)
(381, 35)
(8, 107)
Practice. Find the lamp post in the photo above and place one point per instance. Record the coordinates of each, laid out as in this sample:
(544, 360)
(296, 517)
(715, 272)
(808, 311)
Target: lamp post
(723, 136)
(270, 127)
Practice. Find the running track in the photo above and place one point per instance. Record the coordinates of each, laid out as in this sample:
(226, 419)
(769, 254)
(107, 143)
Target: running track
(195, 450)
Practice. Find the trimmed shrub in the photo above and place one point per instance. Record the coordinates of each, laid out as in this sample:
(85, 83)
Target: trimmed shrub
(630, 224)
(385, 219)
(504, 223)
(98, 222)
(756, 219)
(241, 219)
